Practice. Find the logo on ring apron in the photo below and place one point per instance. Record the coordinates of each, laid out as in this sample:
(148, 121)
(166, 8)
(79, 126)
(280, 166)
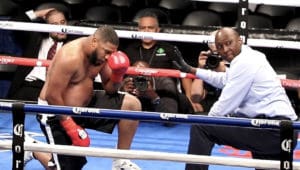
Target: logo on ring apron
(79, 110)
(259, 122)
(286, 145)
(18, 129)
(167, 116)
(68, 30)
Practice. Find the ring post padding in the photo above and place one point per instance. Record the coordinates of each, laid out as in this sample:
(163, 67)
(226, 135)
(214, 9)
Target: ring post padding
(243, 19)
(286, 145)
(18, 136)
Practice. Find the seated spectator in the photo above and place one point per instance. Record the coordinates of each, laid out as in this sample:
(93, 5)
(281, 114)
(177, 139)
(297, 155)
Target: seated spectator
(28, 81)
(156, 54)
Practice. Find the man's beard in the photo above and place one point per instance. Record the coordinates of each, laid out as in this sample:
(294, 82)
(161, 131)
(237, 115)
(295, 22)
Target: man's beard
(93, 58)
(57, 38)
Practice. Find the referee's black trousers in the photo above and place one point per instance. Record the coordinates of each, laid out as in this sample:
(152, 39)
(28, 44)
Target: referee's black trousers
(262, 143)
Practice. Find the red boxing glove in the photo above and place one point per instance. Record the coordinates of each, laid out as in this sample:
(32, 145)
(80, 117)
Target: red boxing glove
(119, 63)
(78, 135)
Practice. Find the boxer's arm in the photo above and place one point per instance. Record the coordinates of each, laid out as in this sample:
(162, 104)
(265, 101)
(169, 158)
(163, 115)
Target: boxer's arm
(59, 77)
(109, 86)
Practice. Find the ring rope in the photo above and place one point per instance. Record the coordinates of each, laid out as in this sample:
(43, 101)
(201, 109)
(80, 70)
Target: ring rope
(148, 155)
(144, 154)
(11, 60)
(221, 160)
(253, 33)
(147, 116)
(266, 2)
(79, 30)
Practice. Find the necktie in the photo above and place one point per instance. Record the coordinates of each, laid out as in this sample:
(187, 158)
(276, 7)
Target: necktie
(52, 51)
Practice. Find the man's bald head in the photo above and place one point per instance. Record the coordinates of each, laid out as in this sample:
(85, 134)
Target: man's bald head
(228, 43)
(227, 31)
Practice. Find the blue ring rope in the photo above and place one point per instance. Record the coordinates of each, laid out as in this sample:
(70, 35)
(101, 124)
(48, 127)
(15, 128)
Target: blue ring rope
(148, 116)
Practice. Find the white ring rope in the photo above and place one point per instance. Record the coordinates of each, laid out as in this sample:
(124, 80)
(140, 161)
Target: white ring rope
(148, 155)
(266, 2)
(79, 30)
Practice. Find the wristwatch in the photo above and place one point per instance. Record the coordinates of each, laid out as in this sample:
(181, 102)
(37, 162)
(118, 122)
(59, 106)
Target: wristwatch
(156, 101)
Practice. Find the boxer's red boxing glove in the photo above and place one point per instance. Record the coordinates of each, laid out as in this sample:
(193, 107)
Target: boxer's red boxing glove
(78, 135)
(119, 63)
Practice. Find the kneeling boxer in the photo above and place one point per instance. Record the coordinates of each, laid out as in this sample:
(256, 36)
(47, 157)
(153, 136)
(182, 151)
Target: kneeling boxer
(69, 82)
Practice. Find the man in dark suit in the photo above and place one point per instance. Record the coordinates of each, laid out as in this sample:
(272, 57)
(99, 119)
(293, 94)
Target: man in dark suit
(28, 81)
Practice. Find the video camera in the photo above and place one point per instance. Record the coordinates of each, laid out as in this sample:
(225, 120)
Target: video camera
(213, 60)
(140, 83)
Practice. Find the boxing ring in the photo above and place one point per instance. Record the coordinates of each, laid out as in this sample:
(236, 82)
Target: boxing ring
(17, 145)
(143, 116)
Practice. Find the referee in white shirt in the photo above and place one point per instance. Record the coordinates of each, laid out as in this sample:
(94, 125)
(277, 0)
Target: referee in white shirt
(250, 89)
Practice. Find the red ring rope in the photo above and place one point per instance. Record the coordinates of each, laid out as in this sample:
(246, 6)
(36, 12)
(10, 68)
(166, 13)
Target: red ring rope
(11, 60)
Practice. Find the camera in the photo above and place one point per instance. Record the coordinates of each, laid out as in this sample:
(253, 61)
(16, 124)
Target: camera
(140, 83)
(213, 60)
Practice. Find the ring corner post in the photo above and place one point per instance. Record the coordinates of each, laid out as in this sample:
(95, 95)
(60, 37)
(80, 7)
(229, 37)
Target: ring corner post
(18, 136)
(286, 145)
